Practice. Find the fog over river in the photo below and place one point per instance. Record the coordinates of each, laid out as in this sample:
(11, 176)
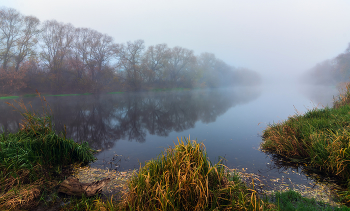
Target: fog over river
(131, 128)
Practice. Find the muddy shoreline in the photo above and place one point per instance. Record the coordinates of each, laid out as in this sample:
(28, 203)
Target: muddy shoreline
(264, 186)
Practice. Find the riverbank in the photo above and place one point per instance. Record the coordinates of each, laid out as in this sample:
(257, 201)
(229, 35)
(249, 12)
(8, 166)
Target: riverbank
(50, 95)
(76, 94)
(35, 160)
(320, 191)
(44, 159)
(244, 186)
(234, 189)
(318, 139)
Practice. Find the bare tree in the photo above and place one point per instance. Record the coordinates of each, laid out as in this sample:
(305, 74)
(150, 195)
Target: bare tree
(130, 59)
(179, 64)
(207, 70)
(10, 27)
(26, 44)
(92, 51)
(101, 51)
(154, 62)
(56, 45)
(81, 53)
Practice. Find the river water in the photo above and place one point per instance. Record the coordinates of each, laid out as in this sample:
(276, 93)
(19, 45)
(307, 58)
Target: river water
(131, 128)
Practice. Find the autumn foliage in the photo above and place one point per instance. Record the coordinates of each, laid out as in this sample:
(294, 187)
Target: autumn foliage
(12, 81)
(59, 58)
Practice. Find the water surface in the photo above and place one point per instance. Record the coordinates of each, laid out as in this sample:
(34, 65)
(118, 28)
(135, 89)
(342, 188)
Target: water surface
(132, 128)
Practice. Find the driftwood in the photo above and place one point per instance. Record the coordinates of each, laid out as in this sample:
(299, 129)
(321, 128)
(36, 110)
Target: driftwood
(72, 186)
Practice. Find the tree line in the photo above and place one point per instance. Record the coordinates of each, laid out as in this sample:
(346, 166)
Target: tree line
(332, 71)
(60, 58)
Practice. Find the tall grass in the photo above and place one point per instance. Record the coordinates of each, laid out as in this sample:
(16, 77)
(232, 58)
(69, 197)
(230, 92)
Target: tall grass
(183, 178)
(30, 158)
(320, 138)
(344, 96)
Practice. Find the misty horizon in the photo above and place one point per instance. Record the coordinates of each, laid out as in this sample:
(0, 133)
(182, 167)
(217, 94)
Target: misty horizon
(271, 37)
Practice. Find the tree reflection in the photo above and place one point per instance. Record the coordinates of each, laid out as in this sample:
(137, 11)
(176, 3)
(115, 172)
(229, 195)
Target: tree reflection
(103, 119)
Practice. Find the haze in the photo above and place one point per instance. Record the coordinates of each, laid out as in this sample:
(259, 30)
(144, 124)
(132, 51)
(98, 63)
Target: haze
(278, 39)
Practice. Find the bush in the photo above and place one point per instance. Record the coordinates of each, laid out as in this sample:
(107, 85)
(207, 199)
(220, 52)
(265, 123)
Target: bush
(182, 178)
(33, 158)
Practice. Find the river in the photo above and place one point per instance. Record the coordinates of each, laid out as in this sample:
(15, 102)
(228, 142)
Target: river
(131, 128)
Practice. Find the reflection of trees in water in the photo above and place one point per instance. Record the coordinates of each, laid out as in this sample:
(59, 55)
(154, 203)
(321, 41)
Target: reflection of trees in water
(103, 119)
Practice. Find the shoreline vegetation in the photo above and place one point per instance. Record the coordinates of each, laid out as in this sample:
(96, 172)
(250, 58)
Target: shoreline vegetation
(318, 140)
(117, 92)
(35, 160)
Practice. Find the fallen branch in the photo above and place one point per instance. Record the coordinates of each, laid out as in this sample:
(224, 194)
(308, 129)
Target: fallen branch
(72, 186)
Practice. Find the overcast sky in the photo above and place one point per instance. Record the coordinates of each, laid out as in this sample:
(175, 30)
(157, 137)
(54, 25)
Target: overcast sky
(278, 38)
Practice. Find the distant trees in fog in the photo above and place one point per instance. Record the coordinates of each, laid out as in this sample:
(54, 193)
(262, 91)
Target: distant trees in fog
(57, 57)
(332, 71)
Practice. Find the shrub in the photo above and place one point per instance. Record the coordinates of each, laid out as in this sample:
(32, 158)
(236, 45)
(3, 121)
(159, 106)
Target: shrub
(182, 178)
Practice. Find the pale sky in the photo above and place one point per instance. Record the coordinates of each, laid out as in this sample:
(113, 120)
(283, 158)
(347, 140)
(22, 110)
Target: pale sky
(277, 38)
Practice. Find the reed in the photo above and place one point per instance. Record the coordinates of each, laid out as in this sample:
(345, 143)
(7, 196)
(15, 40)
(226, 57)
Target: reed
(183, 178)
(344, 96)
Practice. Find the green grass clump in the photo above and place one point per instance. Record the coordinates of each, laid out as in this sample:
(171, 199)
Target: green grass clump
(32, 159)
(293, 201)
(320, 139)
(25, 149)
(182, 178)
(8, 97)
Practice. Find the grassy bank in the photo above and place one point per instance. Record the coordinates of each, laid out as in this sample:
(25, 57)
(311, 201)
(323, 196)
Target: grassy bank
(57, 95)
(35, 159)
(118, 92)
(182, 178)
(319, 139)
